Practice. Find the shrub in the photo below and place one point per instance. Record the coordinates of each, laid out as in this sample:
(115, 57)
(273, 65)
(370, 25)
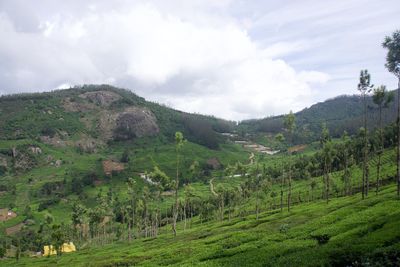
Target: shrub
(322, 239)
(2, 252)
(47, 203)
(284, 228)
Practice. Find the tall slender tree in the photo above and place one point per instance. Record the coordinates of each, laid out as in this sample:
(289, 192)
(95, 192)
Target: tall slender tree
(327, 155)
(220, 198)
(364, 86)
(280, 138)
(189, 194)
(392, 44)
(289, 124)
(346, 158)
(77, 216)
(381, 98)
(132, 195)
(179, 141)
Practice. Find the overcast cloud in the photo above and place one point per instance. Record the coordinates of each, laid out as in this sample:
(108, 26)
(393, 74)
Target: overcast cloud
(232, 59)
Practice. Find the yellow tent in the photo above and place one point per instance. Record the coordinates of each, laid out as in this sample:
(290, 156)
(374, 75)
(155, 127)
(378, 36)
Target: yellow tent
(66, 248)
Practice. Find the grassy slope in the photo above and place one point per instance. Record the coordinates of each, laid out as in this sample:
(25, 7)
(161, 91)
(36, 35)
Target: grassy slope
(145, 156)
(358, 228)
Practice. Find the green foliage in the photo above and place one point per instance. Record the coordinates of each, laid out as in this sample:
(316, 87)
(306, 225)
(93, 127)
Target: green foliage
(392, 44)
(342, 113)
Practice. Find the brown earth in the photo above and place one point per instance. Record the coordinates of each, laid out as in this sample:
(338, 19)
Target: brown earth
(110, 166)
(297, 148)
(6, 214)
(14, 229)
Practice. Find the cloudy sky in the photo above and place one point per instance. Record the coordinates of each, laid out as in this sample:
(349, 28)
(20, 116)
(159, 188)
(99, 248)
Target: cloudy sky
(233, 59)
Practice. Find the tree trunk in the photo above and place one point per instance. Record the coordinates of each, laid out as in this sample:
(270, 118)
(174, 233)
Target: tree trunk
(175, 212)
(290, 184)
(184, 216)
(257, 204)
(282, 181)
(365, 181)
(398, 139)
(133, 217)
(378, 167)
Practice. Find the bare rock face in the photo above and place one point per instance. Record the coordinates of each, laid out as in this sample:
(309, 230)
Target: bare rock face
(58, 163)
(107, 124)
(54, 141)
(23, 161)
(74, 106)
(101, 98)
(35, 150)
(135, 122)
(88, 145)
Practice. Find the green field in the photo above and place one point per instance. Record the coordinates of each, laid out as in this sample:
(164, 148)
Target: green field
(275, 239)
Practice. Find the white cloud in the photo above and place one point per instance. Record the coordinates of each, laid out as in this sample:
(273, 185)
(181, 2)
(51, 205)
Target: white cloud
(199, 56)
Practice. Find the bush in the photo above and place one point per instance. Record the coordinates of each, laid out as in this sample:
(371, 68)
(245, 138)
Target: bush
(47, 203)
(2, 252)
(322, 239)
(284, 228)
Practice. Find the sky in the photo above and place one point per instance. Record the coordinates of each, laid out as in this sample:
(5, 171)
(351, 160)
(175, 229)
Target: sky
(233, 59)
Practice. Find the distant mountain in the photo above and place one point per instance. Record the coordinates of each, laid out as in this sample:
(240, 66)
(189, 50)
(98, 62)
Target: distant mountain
(99, 114)
(342, 113)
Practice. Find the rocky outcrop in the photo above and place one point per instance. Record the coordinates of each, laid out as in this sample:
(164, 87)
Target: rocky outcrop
(58, 163)
(101, 98)
(35, 150)
(107, 124)
(88, 145)
(72, 105)
(135, 122)
(54, 141)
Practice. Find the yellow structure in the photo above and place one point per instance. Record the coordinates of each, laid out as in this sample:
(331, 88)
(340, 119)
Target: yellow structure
(66, 248)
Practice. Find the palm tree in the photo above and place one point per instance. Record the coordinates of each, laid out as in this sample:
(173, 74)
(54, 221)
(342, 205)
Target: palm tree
(289, 124)
(364, 87)
(179, 141)
(392, 44)
(381, 98)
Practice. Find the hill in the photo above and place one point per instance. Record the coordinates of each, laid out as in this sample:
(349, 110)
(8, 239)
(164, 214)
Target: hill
(342, 113)
(101, 112)
(67, 146)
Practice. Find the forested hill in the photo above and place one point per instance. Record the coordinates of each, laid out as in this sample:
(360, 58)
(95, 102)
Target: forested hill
(342, 113)
(98, 114)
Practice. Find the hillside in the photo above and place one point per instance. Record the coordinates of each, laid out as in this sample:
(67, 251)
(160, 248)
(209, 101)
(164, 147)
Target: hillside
(60, 147)
(275, 239)
(96, 165)
(103, 113)
(342, 113)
